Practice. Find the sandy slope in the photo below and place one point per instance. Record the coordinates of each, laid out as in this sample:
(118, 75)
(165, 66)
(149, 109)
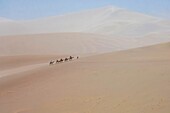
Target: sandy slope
(131, 81)
(74, 43)
(10, 62)
(13, 71)
(57, 44)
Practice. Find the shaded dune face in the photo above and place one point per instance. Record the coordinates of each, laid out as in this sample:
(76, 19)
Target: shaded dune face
(135, 80)
(74, 43)
(55, 44)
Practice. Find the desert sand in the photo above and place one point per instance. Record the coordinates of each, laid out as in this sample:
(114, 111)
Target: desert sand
(129, 81)
(74, 43)
(124, 63)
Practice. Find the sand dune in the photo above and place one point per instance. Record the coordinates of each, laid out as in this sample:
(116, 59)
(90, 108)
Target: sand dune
(87, 32)
(74, 43)
(131, 81)
(125, 80)
(107, 21)
(56, 44)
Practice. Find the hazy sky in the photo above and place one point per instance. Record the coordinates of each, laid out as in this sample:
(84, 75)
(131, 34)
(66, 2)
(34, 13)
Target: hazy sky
(31, 9)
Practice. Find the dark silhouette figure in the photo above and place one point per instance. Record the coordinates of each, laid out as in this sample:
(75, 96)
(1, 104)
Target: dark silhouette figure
(57, 61)
(61, 60)
(71, 57)
(51, 62)
(66, 59)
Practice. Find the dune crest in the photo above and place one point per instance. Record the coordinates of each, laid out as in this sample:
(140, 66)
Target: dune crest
(107, 21)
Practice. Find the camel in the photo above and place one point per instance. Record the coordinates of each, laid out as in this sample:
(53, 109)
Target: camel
(70, 58)
(61, 60)
(51, 62)
(66, 59)
(57, 61)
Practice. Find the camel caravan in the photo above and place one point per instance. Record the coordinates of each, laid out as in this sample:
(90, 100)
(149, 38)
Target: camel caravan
(52, 62)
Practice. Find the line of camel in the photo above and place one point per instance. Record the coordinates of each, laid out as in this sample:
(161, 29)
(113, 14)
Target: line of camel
(52, 62)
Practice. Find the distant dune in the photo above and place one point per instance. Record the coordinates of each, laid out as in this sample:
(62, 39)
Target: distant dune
(131, 81)
(107, 21)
